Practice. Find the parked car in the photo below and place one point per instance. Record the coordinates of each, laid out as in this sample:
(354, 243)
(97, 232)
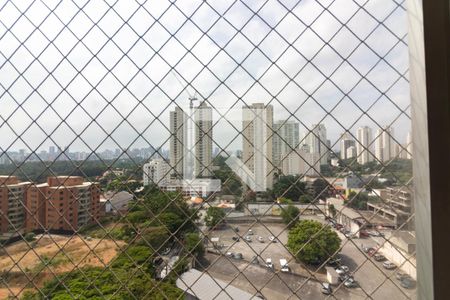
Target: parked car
(229, 254)
(350, 283)
(260, 239)
(272, 239)
(250, 232)
(326, 288)
(379, 257)
(399, 275)
(269, 263)
(342, 270)
(238, 256)
(389, 265)
(284, 265)
(407, 282)
(235, 238)
(236, 229)
(344, 277)
(371, 251)
(248, 238)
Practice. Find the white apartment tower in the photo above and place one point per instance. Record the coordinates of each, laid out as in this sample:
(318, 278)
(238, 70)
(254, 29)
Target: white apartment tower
(385, 146)
(178, 136)
(317, 141)
(257, 132)
(364, 136)
(195, 156)
(346, 142)
(388, 144)
(157, 172)
(286, 137)
(203, 140)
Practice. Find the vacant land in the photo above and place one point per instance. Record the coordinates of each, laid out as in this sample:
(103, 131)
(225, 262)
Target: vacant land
(22, 266)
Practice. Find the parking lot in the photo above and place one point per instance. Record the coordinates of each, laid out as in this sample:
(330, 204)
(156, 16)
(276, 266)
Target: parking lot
(263, 250)
(375, 281)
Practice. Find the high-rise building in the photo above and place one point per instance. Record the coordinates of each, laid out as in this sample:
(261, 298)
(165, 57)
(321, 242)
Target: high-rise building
(203, 140)
(385, 145)
(317, 141)
(301, 162)
(191, 142)
(13, 195)
(388, 144)
(346, 142)
(364, 136)
(63, 203)
(156, 171)
(178, 135)
(257, 127)
(379, 145)
(286, 137)
(351, 152)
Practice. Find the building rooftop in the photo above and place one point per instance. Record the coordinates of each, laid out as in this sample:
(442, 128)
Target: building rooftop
(205, 287)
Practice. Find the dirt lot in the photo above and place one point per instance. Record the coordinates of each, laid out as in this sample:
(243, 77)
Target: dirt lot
(62, 254)
(275, 251)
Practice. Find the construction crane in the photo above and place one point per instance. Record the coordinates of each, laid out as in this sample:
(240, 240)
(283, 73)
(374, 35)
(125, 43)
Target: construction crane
(192, 98)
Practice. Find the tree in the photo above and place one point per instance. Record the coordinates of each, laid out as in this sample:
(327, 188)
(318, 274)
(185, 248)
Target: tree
(193, 244)
(311, 242)
(357, 200)
(290, 215)
(320, 189)
(290, 187)
(283, 200)
(305, 199)
(214, 216)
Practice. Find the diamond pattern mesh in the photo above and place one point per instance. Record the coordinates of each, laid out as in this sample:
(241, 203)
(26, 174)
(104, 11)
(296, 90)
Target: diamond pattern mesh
(218, 149)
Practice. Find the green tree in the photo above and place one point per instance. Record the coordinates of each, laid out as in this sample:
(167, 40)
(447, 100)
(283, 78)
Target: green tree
(320, 189)
(193, 244)
(155, 237)
(305, 199)
(357, 200)
(311, 242)
(214, 216)
(283, 200)
(290, 215)
(289, 186)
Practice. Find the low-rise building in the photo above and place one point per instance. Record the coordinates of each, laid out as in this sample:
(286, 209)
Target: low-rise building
(198, 187)
(397, 205)
(63, 203)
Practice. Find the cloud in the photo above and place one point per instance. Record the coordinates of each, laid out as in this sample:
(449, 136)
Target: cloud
(110, 71)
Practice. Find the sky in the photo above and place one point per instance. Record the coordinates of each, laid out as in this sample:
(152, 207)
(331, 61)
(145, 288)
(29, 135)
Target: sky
(105, 74)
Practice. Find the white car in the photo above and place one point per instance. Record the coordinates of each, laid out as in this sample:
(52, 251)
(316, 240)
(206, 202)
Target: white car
(284, 265)
(247, 238)
(389, 265)
(250, 232)
(272, 239)
(342, 270)
(260, 239)
(269, 263)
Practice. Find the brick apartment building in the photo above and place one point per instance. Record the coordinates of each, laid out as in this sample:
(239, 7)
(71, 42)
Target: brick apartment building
(12, 198)
(62, 203)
